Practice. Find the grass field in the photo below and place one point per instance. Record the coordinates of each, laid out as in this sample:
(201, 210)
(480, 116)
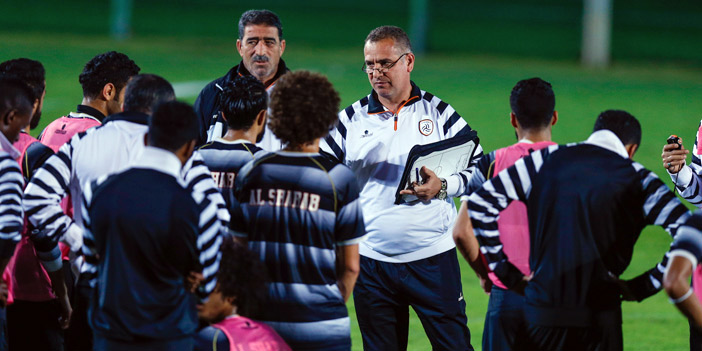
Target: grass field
(663, 93)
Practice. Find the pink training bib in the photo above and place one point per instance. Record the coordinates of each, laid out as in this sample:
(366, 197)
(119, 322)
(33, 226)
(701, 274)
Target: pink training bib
(64, 128)
(247, 335)
(513, 223)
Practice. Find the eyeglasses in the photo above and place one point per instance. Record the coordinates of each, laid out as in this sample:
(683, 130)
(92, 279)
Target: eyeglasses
(382, 67)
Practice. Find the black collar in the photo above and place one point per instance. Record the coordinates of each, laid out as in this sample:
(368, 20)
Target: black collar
(134, 117)
(241, 70)
(374, 105)
(90, 111)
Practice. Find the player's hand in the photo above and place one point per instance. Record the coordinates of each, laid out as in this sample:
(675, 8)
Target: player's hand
(486, 284)
(521, 286)
(193, 280)
(431, 185)
(674, 159)
(66, 312)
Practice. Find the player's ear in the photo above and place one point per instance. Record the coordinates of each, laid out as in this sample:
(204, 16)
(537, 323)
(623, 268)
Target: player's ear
(109, 92)
(7, 117)
(410, 62)
(554, 119)
(631, 149)
(282, 47)
(513, 120)
(238, 47)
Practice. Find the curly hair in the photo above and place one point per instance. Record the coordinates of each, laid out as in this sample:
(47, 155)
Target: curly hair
(29, 71)
(242, 100)
(241, 276)
(110, 67)
(304, 107)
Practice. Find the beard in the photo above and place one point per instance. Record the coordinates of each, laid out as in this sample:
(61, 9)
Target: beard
(34, 122)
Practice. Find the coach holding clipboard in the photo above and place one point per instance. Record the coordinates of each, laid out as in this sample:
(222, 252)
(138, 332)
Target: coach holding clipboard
(409, 257)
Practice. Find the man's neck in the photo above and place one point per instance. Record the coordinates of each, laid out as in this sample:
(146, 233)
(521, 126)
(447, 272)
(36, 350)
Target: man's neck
(311, 147)
(235, 134)
(535, 135)
(96, 104)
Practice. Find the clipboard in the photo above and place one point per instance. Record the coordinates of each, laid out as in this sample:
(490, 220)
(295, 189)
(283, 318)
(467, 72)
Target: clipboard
(445, 157)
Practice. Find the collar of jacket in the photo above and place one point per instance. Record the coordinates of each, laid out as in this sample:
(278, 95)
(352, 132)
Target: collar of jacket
(241, 70)
(91, 111)
(374, 105)
(134, 117)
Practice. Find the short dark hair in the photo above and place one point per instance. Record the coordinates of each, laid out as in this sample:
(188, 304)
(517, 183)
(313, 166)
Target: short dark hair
(110, 67)
(304, 106)
(621, 123)
(145, 91)
(390, 32)
(241, 101)
(265, 17)
(31, 72)
(533, 102)
(242, 276)
(172, 125)
(15, 94)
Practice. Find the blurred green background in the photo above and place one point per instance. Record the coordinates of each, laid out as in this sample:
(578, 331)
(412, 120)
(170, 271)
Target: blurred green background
(478, 50)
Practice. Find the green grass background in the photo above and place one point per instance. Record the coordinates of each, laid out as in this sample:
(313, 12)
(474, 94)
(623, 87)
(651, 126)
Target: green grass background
(478, 51)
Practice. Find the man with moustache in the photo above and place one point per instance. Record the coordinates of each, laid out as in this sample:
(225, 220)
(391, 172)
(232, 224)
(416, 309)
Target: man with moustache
(261, 46)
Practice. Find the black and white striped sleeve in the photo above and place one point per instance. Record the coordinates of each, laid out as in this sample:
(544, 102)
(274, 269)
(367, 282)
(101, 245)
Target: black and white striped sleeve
(335, 142)
(661, 207)
(451, 125)
(89, 249)
(209, 241)
(486, 203)
(689, 179)
(42, 204)
(11, 214)
(214, 219)
(688, 240)
(198, 178)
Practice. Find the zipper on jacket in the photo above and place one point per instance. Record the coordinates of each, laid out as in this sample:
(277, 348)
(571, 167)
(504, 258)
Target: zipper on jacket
(396, 122)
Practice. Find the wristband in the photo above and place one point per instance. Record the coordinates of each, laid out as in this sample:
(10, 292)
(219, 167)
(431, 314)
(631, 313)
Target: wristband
(681, 298)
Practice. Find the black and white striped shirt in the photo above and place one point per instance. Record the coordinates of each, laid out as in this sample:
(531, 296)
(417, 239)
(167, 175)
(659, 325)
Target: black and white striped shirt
(88, 156)
(11, 214)
(374, 143)
(587, 204)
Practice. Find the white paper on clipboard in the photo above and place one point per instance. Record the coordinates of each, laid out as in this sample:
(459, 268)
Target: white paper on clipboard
(444, 158)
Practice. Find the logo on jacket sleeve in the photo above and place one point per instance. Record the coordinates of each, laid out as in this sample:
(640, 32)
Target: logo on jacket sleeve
(426, 126)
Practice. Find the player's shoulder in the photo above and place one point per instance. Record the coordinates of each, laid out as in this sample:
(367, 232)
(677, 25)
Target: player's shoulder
(434, 103)
(357, 109)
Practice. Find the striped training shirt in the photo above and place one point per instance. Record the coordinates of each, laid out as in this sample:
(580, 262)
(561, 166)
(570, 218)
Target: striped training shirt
(11, 184)
(224, 160)
(296, 209)
(587, 205)
(375, 142)
(100, 151)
